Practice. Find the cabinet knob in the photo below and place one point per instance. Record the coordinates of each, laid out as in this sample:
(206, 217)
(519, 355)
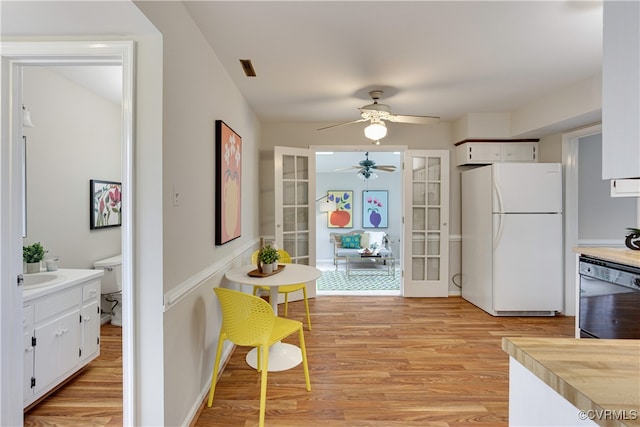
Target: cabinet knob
(87, 319)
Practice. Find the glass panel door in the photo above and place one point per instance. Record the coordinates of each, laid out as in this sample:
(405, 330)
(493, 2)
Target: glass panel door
(426, 261)
(294, 205)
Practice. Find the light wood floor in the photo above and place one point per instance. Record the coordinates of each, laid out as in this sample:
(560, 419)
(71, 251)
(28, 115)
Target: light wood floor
(374, 361)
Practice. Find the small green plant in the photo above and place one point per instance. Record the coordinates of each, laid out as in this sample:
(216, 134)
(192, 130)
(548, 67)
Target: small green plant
(268, 255)
(33, 253)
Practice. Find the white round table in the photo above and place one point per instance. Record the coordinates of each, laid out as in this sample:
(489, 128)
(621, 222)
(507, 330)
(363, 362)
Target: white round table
(282, 356)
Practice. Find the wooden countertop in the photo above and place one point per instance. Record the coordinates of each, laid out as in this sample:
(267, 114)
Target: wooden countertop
(621, 255)
(592, 374)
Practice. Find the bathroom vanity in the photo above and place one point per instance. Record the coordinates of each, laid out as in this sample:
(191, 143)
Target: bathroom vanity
(61, 328)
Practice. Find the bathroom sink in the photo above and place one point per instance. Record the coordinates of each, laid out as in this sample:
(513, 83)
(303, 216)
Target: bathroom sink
(37, 280)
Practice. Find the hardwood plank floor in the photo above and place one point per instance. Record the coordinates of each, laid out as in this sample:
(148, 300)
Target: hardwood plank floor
(385, 361)
(374, 361)
(93, 397)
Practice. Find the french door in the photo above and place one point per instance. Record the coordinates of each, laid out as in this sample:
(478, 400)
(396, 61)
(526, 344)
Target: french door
(425, 257)
(295, 208)
(426, 225)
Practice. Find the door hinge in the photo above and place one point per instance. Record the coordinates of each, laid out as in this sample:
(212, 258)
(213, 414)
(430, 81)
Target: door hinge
(98, 310)
(19, 280)
(98, 340)
(33, 341)
(81, 318)
(80, 352)
(33, 382)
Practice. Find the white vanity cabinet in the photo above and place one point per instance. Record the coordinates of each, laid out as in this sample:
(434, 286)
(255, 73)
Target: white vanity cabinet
(61, 334)
(482, 152)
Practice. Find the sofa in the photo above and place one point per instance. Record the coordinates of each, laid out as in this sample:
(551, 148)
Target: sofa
(353, 243)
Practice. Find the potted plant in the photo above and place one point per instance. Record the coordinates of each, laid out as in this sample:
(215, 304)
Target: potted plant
(268, 256)
(32, 255)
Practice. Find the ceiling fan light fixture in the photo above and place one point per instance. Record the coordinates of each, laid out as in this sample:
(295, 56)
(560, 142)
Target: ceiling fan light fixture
(367, 174)
(375, 131)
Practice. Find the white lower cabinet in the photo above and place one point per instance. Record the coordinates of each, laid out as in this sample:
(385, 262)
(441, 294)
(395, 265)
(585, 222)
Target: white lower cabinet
(61, 334)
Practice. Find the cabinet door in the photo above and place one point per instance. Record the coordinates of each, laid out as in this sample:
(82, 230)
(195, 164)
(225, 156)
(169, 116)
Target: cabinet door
(56, 351)
(90, 330)
(27, 391)
(520, 152)
(485, 153)
(620, 90)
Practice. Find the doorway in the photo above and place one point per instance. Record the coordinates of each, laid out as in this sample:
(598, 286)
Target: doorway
(592, 216)
(339, 169)
(15, 57)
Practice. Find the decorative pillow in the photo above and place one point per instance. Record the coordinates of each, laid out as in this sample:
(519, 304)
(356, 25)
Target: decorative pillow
(364, 240)
(351, 242)
(376, 237)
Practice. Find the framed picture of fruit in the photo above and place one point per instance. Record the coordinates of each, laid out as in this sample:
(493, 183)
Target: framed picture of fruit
(228, 183)
(342, 217)
(375, 212)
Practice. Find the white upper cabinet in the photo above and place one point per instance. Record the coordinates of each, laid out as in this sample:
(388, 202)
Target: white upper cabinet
(621, 90)
(483, 152)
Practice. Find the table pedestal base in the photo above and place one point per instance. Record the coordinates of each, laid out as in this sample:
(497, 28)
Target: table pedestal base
(282, 356)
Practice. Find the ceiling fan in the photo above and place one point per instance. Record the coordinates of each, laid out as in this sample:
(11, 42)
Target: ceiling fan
(377, 113)
(367, 168)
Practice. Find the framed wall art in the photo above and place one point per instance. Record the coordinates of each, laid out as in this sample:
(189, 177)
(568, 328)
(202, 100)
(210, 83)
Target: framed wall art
(228, 183)
(375, 210)
(105, 204)
(342, 217)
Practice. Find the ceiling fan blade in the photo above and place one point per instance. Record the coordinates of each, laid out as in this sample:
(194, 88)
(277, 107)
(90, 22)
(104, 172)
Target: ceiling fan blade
(342, 124)
(386, 168)
(417, 120)
(347, 168)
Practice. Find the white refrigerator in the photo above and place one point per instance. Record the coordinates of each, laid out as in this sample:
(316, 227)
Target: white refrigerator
(512, 238)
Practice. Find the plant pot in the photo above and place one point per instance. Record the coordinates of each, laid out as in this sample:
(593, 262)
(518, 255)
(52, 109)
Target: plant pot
(267, 268)
(33, 267)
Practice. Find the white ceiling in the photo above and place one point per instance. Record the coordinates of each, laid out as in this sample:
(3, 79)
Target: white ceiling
(317, 60)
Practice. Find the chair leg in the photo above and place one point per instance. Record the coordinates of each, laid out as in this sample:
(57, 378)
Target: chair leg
(286, 304)
(263, 383)
(306, 306)
(305, 364)
(216, 365)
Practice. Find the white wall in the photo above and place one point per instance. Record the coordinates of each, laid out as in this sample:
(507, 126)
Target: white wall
(76, 138)
(197, 91)
(391, 182)
(601, 217)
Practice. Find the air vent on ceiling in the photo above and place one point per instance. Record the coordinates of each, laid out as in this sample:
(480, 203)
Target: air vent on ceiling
(247, 67)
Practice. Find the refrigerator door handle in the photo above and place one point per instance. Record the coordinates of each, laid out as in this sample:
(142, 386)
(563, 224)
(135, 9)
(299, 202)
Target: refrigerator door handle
(499, 228)
(496, 188)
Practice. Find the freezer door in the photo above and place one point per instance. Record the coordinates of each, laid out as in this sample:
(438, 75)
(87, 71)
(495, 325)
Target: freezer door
(527, 187)
(527, 262)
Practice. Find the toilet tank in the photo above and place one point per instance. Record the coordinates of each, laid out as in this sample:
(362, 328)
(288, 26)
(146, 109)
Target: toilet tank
(112, 279)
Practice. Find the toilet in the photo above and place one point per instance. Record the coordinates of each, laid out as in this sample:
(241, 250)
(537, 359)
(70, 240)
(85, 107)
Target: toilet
(111, 288)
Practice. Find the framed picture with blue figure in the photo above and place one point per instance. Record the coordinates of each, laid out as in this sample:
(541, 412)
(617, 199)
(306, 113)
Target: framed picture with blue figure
(342, 217)
(375, 211)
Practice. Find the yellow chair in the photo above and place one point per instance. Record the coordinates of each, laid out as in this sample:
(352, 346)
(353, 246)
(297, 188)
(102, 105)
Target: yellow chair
(285, 258)
(249, 321)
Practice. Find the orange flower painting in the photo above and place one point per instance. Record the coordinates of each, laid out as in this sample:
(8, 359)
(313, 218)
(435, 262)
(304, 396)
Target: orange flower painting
(228, 183)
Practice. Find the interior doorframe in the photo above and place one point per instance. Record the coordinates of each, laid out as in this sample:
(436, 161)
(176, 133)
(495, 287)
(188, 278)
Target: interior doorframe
(14, 56)
(402, 149)
(570, 143)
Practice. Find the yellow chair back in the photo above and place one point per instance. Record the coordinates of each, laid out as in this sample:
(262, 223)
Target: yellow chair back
(247, 320)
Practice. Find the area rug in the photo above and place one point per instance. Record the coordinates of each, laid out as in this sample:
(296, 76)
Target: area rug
(357, 281)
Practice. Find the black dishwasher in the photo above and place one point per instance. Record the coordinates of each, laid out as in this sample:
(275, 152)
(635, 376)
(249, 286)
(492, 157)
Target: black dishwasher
(609, 300)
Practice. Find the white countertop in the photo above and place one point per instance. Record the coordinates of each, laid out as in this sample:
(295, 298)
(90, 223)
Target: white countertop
(66, 278)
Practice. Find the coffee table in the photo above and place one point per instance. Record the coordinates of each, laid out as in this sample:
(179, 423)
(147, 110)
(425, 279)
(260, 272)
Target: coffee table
(369, 264)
